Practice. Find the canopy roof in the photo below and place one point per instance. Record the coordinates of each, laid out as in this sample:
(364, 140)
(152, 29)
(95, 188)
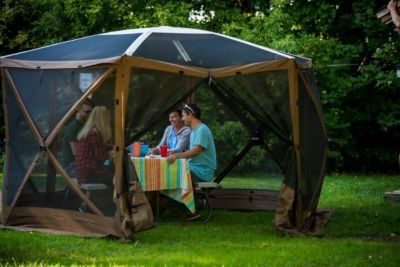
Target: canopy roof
(189, 47)
(139, 75)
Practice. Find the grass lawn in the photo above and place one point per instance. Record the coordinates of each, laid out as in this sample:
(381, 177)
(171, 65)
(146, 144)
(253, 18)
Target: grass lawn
(364, 231)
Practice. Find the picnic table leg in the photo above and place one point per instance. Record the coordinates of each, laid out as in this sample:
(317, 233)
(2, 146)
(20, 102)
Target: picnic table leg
(158, 206)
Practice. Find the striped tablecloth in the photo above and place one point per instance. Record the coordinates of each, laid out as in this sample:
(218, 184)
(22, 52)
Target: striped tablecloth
(156, 174)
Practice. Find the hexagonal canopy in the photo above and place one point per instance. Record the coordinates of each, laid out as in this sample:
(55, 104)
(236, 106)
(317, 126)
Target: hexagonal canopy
(139, 75)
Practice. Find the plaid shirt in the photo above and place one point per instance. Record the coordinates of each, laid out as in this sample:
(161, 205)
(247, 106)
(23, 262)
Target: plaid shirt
(90, 156)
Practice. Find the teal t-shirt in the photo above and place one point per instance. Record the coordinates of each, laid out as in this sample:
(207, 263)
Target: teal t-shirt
(204, 164)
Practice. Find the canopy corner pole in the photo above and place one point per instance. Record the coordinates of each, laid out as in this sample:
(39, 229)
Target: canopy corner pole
(121, 100)
(295, 120)
(6, 171)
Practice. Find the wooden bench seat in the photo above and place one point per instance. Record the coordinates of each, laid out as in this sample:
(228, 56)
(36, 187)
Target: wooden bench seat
(392, 196)
(91, 187)
(201, 190)
(205, 185)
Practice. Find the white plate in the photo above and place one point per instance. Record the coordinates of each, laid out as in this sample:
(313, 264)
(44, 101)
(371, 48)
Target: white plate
(153, 156)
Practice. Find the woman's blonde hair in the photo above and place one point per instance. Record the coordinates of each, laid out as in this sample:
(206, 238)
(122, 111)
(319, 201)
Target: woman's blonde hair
(100, 119)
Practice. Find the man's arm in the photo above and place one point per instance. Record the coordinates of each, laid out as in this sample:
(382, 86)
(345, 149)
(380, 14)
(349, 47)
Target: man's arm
(392, 6)
(164, 140)
(73, 147)
(183, 142)
(196, 150)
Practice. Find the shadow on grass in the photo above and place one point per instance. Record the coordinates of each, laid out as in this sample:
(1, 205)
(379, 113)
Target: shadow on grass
(372, 222)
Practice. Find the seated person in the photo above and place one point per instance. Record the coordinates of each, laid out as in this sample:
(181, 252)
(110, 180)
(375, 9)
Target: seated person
(70, 133)
(93, 147)
(176, 136)
(202, 153)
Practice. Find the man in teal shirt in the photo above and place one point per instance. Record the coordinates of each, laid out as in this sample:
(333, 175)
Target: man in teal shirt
(201, 154)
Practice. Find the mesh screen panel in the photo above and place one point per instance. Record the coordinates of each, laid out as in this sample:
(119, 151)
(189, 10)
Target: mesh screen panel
(22, 146)
(265, 96)
(40, 187)
(313, 146)
(103, 96)
(236, 123)
(48, 189)
(201, 50)
(282, 153)
(223, 124)
(309, 77)
(92, 47)
(151, 95)
(49, 94)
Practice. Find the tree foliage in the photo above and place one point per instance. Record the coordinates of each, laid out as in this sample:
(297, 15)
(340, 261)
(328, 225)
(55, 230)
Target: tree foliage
(355, 55)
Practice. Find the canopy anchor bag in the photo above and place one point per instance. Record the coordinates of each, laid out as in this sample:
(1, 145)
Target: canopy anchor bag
(135, 211)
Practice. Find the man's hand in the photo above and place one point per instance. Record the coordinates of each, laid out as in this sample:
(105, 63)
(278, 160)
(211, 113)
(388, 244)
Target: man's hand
(196, 150)
(392, 6)
(171, 158)
(154, 150)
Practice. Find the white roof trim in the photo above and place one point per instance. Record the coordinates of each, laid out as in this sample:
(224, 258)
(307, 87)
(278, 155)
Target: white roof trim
(132, 48)
(162, 29)
(255, 45)
(168, 29)
(146, 32)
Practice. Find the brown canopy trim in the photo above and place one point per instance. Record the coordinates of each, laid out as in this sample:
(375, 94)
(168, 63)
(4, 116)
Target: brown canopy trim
(69, 222)
(29, 64)
(138, 62)
(6, 168)
(251, 68)
(305, 66)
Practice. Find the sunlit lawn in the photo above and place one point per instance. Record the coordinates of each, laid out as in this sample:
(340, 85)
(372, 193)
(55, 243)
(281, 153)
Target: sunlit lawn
(364, 231)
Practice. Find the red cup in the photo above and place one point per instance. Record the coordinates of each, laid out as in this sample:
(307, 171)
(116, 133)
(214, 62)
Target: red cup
(136, 149)
(163, 151)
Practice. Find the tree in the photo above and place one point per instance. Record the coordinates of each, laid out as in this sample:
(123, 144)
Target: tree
(355, 56)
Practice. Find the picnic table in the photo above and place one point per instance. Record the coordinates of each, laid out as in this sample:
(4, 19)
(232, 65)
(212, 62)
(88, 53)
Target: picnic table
(171, 179)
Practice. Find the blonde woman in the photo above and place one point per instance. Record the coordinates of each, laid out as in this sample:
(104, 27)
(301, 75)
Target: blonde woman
(93, 147)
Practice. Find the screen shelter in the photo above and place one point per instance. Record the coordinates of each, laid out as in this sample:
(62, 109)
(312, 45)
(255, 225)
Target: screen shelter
(146, 73)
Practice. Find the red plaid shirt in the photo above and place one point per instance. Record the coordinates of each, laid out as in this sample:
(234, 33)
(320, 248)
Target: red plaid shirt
(90, 155)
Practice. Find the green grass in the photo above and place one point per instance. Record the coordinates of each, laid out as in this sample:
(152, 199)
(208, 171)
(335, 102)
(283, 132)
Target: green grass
(364, 231)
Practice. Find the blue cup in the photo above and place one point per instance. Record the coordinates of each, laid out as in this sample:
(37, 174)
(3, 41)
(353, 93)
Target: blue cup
(143, 150)
(130, 148)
